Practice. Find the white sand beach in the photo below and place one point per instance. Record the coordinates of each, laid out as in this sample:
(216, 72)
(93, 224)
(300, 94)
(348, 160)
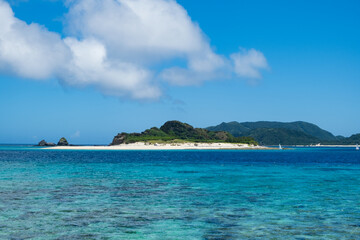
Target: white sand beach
(162, 146)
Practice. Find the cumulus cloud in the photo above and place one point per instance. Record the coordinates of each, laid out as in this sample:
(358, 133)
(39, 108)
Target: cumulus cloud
(28, 51)
(120, 47)
(89, 66)
(249, 63)
(137, 29)
(31, 51)
(147, 32)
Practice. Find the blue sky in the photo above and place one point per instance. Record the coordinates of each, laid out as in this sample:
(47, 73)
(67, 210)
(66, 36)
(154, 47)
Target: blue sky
(306, 66)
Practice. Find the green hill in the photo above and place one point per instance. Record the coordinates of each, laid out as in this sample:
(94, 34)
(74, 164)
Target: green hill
(305, 127)
(235, 128)
(274, 136)
(175, 131)
(246, 128)
(354, 139)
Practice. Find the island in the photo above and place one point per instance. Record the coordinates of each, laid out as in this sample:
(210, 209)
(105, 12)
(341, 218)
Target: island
(174, 135)
(232, 135)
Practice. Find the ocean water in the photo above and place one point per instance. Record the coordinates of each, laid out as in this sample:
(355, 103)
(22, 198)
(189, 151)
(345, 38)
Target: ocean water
(303, 193)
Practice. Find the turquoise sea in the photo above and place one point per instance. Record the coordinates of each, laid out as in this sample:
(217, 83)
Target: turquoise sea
(302, 193)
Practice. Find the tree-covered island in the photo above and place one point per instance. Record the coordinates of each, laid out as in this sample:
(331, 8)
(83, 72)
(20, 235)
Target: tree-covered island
(178, 132)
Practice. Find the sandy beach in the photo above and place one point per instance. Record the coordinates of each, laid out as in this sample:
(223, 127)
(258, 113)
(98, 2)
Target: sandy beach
(169, 146)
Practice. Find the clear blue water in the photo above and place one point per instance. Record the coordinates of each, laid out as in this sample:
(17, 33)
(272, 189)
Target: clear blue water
(293, 194)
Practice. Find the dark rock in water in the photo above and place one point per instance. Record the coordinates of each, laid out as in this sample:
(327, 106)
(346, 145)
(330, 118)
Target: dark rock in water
(119, 139)
(63, 142)
(43, 143)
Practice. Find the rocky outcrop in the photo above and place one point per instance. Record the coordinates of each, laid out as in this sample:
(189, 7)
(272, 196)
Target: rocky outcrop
(177, 128)
(43, 143)
(119, 139)
(63, 142)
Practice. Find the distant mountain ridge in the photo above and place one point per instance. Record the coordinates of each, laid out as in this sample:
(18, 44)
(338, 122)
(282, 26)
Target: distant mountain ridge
(353, 139)
(291, 133)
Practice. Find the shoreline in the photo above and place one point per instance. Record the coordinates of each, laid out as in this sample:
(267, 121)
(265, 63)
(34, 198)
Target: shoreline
(167, 146)
(326, 146)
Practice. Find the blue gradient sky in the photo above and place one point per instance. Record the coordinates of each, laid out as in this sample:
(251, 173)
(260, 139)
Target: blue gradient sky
(312, 49)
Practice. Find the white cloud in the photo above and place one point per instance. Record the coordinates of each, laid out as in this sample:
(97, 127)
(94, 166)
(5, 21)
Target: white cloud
(200, 68)
(134, 29)
(90, 66)
(120, 47)
(249, 63)
(29, 51)
(148, 32)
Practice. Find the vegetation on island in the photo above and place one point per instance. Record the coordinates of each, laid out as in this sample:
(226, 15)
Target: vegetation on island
(352, 140)
(178, 132)
(274, 136)
(293, 133)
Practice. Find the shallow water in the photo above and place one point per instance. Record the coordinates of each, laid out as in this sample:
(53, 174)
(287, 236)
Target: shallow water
(304, 193)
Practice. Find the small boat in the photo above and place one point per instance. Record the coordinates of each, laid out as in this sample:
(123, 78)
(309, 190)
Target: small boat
(357, 146)
(280, 148)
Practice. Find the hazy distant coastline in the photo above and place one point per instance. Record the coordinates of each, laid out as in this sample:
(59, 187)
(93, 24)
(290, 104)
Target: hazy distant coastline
(285, 133)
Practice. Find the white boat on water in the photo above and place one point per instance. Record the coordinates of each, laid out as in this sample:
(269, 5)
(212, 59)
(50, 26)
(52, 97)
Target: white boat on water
(280, 148)
(357, 146)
